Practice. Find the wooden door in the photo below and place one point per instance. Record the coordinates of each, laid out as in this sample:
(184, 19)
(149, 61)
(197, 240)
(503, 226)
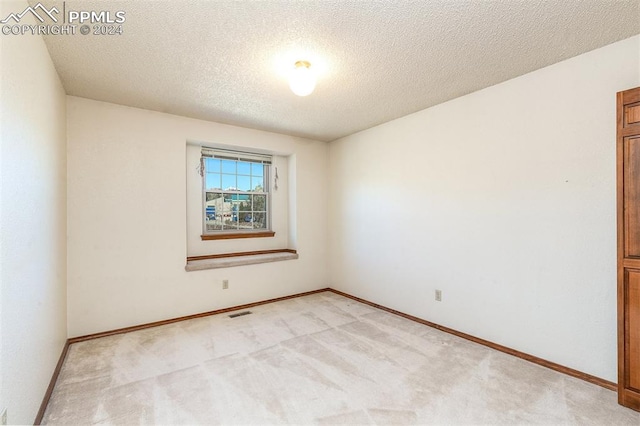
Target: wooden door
(628, 182)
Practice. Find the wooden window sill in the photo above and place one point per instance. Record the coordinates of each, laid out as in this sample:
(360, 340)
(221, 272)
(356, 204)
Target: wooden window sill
(229, 260)
(231, 236)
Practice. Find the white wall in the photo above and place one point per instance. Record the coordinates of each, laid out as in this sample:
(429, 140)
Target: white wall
(127, 243)
(505, 200)
(32, 222)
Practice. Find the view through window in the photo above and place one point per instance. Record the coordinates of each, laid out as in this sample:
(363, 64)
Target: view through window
(235, 191)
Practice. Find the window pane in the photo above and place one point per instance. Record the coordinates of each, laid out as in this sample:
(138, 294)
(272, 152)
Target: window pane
(229, 182)
(213, 196)
(236, 198)
(244, 183)
(213, 211)
(245, 220)
(257, 183)
(257, 169)
(212, 165)
(231, 221)
(214, 226)
(260, 203)
(259, 220)
(244, 168)
(244, 211)
(213, 181)
(229, 166)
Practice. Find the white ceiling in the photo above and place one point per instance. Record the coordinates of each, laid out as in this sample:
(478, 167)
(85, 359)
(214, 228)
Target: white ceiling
(224, 61)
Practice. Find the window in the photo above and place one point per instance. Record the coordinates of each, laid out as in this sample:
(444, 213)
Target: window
(235, 194)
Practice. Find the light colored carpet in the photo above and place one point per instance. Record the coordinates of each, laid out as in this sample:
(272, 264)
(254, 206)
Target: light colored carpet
(318, 359)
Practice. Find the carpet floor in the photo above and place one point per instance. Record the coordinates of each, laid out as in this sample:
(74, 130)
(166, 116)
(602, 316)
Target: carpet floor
(317, 359)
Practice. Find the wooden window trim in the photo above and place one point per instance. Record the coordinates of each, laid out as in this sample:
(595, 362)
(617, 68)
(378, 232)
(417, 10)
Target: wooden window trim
(239, 254)
(235, 235)
(230, 260)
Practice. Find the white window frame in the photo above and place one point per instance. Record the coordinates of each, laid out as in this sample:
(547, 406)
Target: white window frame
(250, 157)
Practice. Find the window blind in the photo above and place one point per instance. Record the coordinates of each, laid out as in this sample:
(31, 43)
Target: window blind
(224, 154)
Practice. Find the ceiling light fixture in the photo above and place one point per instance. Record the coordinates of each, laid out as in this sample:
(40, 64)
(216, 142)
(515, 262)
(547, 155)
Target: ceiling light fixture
(302, 80)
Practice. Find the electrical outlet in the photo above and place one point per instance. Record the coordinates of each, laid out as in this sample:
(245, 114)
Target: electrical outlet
(3, 417)
(438, 295)
(225, 284)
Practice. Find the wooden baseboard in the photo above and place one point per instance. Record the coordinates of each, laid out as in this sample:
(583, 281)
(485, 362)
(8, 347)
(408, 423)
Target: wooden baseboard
(534, 359)
(52, 384)
(188, 317)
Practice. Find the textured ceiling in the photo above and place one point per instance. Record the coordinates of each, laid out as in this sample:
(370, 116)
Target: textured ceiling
(225, 61)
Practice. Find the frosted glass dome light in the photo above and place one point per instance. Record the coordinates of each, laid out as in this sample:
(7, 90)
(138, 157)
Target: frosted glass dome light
(302, 80)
